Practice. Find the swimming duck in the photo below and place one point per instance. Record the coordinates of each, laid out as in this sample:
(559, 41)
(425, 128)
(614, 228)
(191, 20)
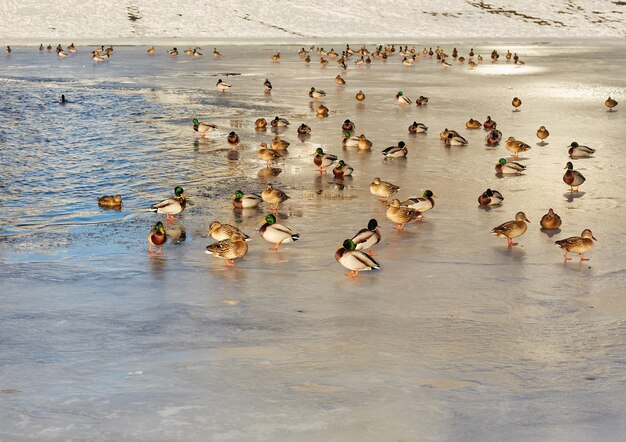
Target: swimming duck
(512, 229)
(246, 200)
(323, 61)
(473, 124)
(455, 140)
(278, 144)
(400, 98)
(509, 167)
(233, 138)
(577, 244)
(110, 201)
(72, 48)
(515, 146)
(229, 249)
(41, 48)
(303, 129)
(422, 203)
(260, 124)
(268, 155)
(279, 122)
(360, 96)
(368, 237)
(364, 143)
(203, 128)
(354, 260)
(417, 128)
(489, 124)
(610, 103)
(151, 50)
(578, 151)
(516, 104)
(274, 197)
(323, 160)
(62, 54)
(339, 80)
(444, 134)
(171, 206)
(490, 198)
(572, 177)
(383, 189)
(350, 140)
(550, 221)
(316, 93)
(216, 53)
(307, 59)
(342, 170)
(493, 138)
(156, 238)
(267, 86)
(276, 233)
(542, 134)
(49, 48)
(396, 151)
(400, 215)
(220, 231)
(173, 52)
(421, 101)
(348, 126)
(321, 111)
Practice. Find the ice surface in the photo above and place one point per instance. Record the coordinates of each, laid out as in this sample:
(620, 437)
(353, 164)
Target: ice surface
(457, 337)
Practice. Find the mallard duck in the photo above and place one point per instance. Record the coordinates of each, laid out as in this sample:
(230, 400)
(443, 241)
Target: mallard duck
(72, 48)
(63, 54)
(323, 61)
(188, 51)
(516, 104)
(274, 197)
(364, 143)
(156, 238)
(173, 52)
(400, 215)
(472, 64)
(417, 128)
(110, 201)
(400, 98)
(332, 53)
(572, 177)
(367, 238)
(267, 86)
(216, 53)
(473, 124)
(354, 260)
(550, 221)
(276, 57)
(490, 198)
(610, 103)
(509, 167)
(279, 122)
(260, 124)
(493, 138)
(196, 52)
(350, 140)
(171, 206)
(151, 50)
(233, 138)
(542, 134)
(422, 203)
(508, 55)
(396, 151)
(512, 229)
(577, 244)
(321, 111)
(222, 86)
(515, 146)
(461, 60)
(220, 231)
(383, 189)
(307, 59)
(229, 249)
(268, 155)
(202, 127)
(342, 170)
(323, 160)
(348, 126)
(303, 129)
(316, 93)
(276, 233)
(421, 101)
(278, 144)
(408, 61)
(443, 135)
(578, 151)
(246, 200)
(455, 140)
(360, 96)
(489, 124)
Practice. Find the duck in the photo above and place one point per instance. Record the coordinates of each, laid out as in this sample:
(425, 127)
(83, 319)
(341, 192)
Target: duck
(422, 203)
(222, 86)
(323, 61)
(260, 124)
(542, 134)
(509, 167)
(268, 155)
(473, 124)
(400, 215)
(350, 140)
(173, 52)
(63, 54)
(233, 138)
(188, 51)
(364, 143)
(368, 237)
(339, 81)
(354, 260)
(610, 103)
(421, 101)
(399, 151)
(267, 86)
(400, 98)
(348, 126)
(220, 232)
(229, 249)
(156, 238)
(303, 129)
(577, 244)
(360, 96)
(307, 59)
(512, 229)
(276, 233)
(274, 197)
(323, 160)
(276, 56)
(516, 104)
(72, 48)
(572, 177)
(550, 221)
(342, 170)
(489, 123)
(383, 189)
(196, 52)
(493, 137)
(171, 206)
(202, 127)
(216, 53)
(417, 128)
(316, 93)
(321, 111)
(150, 50)
(455, 140)
(515, 146)
(278, 144)
(472, 64)
(443, 135)
(279, 122)
(246, 200)
(578, 151)
(490, 198)
(110, 201)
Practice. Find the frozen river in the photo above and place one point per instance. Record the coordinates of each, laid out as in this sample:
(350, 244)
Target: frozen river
(456, 338)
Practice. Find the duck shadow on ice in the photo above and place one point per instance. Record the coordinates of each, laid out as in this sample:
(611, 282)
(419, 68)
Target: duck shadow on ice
(516, 253)
(550, 233)
(571, 196)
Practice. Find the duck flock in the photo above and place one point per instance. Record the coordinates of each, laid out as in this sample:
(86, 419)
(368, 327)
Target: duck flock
(355, 253)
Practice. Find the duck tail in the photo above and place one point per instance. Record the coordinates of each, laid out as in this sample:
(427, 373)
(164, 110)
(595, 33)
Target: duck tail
(295, 236)
(153, 209)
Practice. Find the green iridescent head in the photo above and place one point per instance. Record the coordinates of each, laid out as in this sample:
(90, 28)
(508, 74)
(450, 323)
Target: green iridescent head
(428, 194)
(349, 245)
(159, 227)
(195, 121)
(178, 191)
(270, 219)
(502, 161)
(238, 194)
(319, 151)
